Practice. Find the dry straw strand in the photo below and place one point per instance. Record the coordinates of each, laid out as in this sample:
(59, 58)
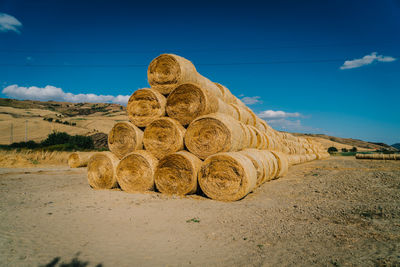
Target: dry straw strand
(163, 136)
(124, 138)
(227, 176)
(176, 173)
(144, 106)
(101, 170)
(79, 159)
(135, 172)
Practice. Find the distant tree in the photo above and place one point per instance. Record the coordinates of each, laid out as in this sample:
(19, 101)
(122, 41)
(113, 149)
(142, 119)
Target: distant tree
(345, 150)
(354, 149)
(332, 149)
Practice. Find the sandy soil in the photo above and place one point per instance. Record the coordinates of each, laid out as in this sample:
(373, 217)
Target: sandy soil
(335, 212)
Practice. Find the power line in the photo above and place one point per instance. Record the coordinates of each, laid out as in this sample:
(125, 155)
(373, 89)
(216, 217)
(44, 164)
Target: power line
(198, 64)
(232, 49)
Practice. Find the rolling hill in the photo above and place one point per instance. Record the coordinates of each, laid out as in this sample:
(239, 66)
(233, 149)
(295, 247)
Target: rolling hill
(34, 120)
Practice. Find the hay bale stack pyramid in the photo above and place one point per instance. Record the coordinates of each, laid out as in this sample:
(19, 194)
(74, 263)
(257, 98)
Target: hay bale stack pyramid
(188, 134)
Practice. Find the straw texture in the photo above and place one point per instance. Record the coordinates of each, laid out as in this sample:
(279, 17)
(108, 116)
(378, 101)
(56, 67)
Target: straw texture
(176, 173)
(79, 159)
(213, 133)
(163, 136)
(167, 71)
(144, 106)
(124, 138)
(227, 176)
(101, 170)
(135, 172)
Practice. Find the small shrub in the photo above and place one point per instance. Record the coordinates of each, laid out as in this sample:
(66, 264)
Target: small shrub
(345, 149)
(332, 149)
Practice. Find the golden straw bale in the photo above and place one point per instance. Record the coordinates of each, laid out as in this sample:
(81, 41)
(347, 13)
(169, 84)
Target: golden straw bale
(283, 164)
(135, 172)
(245, 114)
(144, 106)
(101, 170)
(167, 71)
(259, 137)
(124, 138)
(176, 173)
(227, 176)
(163, 136)
(271, 161)
(189, 101)
(213, 133)
(256, 158)
(249, 138)
(227, 109)
(227, 96)
(79, 159)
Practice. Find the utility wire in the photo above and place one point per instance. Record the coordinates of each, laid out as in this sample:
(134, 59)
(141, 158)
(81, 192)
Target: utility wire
(145, 65)
(191, 50)
(305, 61)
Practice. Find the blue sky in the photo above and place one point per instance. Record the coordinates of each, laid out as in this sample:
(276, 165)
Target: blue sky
(286, 56)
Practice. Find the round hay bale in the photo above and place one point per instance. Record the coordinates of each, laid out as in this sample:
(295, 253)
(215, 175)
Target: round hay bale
(135, 172)
(163, 136)
(213, 133)
(167, 71)
(79, 159)
(101, 170)
(256, 158)
(283, 164)
(176, 173)
(260, 139)
(227, 176)
(124, 138)
(227, 96)
(270, 160)
(189, 101)
(227, 109)
(245, 114)
(144, 106)
(249, 138)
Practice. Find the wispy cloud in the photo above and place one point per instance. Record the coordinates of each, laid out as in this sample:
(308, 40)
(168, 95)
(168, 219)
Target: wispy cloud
(251, 100)
(366, 60)
(9, 23)
(272, 114)
(57, 94)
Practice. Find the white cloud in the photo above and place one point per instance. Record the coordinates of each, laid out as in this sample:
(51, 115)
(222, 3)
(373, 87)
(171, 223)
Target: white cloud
(366, 60)
(251, 100)
(57, 94)
(9, 23)
(271, 114)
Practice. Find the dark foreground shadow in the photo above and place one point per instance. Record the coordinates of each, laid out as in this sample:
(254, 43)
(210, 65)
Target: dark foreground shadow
(75, 262)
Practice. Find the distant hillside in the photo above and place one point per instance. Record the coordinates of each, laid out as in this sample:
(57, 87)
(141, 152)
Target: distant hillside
(34, 120)
(352, 142)
(64, 108)
(397, 146)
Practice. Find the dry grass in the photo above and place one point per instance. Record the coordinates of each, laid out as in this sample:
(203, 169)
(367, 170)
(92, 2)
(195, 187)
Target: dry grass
(29, 158)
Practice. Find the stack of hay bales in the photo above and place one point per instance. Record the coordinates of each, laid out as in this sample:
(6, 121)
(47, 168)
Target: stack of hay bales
(378, 156)
(187, 132)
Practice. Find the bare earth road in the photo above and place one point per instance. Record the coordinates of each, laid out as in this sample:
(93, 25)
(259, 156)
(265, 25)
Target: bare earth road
(335, 212)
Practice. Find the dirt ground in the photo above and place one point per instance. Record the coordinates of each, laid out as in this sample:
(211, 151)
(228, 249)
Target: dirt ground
(335, 212)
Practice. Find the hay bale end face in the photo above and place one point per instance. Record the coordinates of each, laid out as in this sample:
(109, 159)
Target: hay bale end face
(101, 170)
(124, 138)
(176, 173)
(214, 133)
(189, 101)
(144, 106)
(135, 172)
(227, 176)
(79, 159)
(163, 136)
